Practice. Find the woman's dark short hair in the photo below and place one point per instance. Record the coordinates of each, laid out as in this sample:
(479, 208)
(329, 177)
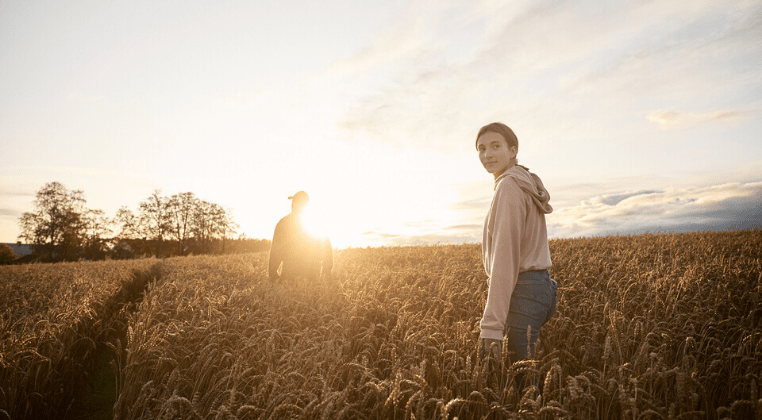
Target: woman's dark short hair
(503, 130)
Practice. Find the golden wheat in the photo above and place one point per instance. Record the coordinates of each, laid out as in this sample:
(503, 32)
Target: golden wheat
(649, 326)
(54, 318)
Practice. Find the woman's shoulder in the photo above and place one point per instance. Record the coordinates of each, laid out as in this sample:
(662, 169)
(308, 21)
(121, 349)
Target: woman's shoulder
(512, 177)
(508, 187)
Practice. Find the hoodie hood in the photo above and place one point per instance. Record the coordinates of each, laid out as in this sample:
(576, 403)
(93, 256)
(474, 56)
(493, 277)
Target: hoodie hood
(529, 183)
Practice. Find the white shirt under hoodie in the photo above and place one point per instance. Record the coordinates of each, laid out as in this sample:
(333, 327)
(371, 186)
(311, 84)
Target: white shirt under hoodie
(515, 240)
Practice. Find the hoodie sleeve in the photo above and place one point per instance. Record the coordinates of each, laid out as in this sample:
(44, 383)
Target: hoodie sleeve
(508, 213)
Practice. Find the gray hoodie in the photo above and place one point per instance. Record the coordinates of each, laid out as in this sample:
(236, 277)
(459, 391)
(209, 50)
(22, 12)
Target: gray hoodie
(515, 239)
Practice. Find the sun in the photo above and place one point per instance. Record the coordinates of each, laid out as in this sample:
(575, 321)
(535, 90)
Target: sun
(342, 228)
(313, 223)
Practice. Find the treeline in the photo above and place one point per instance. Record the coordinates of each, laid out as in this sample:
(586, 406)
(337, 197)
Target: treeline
(62, 228)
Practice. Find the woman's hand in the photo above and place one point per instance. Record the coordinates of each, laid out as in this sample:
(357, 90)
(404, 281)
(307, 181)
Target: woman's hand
(487, 347)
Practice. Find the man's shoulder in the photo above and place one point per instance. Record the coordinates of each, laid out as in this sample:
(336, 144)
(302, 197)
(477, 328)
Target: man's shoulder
(285, 220)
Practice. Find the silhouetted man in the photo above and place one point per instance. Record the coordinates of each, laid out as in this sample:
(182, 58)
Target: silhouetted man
(296, 250)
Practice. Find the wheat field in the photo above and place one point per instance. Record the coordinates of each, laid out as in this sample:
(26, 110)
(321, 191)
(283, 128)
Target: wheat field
(53, 319)
(648, 327)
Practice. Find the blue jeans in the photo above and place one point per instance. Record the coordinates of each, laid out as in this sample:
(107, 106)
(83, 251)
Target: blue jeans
(533, 303)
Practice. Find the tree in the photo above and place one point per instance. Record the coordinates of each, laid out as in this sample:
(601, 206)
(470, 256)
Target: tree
(155, 220)
(181, 208)
(7, 255)
(127, 223)
(225, 225)
(202, 226)
(55, 228)
(96, 234)
(211, 222)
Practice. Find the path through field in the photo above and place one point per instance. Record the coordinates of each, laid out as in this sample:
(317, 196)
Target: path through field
(650, 326)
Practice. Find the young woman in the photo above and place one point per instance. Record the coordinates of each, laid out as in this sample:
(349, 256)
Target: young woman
(522, 296)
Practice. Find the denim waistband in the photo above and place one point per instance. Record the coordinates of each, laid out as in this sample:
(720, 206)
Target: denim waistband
(534, 272)
(534, 275)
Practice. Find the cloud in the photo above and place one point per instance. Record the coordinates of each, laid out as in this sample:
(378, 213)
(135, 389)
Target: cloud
(453, 234)
(676, 119)
(478, 204)
(614, 199)
(464, 227)
(719, 207)
(16, 193)
(9, 213)
(398, 42)
(690, 209)
(427, 239)
(535, 61)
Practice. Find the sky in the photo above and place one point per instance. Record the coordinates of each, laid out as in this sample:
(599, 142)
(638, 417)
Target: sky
(640, 116)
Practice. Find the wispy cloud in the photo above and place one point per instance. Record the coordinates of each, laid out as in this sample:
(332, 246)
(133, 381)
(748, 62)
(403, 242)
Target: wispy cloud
(456, 234)
(479, 204)
(531, 61)
(719, 207)
(8, 194)
(399, 42)
(9, 213)
(391, 116)
(677, 119)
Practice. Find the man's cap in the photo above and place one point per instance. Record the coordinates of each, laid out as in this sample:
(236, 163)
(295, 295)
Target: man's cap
(301, 195)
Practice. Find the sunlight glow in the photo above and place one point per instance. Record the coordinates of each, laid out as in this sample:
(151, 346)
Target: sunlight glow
(312, 223)
(341, 231)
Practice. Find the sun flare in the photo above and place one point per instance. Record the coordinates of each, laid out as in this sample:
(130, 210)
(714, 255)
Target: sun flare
(334, 226)
(313, 224)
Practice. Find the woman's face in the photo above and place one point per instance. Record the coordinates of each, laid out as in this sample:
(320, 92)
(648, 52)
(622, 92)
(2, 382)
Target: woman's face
(494, 153)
